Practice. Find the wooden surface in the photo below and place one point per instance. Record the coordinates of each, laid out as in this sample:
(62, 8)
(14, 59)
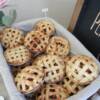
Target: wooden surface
(75, 15)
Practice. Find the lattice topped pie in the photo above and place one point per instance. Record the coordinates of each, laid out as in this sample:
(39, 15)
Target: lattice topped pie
(53, 67)
(58, 46)
(36, 41)
(45, 26)
(82, 69)
(29, 79)
(17, 56)
(52, 92)
(12, 37)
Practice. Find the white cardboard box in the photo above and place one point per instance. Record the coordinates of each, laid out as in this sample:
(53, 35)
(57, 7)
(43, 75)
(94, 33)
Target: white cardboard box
(76, 48)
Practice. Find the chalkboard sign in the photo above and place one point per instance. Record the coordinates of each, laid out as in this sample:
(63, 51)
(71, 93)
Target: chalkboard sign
(87, 28)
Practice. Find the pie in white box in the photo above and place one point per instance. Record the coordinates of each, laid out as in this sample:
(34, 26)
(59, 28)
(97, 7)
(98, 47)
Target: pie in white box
(76, 48)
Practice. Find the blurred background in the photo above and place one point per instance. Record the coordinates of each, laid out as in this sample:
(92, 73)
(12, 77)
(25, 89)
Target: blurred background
(60, 10)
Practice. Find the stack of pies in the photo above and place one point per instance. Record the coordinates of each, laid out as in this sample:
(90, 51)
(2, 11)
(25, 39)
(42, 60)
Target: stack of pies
(42, 64)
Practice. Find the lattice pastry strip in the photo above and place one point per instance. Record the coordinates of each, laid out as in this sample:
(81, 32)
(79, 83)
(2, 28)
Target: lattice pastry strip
(17, 56)
(82, 69)
(29, 79)
(33, 69)
(67, 58)
(36, 41)
(53, 67)
(58, 46)
(17, 69)
(12, 37)
(52, 92)
(45, 26)
(71, 86)
(25, 86)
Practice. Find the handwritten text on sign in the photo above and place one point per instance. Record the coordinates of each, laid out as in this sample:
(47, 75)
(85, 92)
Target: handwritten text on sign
(96, 22)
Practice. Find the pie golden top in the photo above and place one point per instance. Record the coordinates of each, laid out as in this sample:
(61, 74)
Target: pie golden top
(53, 67)
(82, 69)
(36, 41)
(45, 26)
(12, 37)
(58, 46)
(52, 92)
(17, 56)
(29, 79)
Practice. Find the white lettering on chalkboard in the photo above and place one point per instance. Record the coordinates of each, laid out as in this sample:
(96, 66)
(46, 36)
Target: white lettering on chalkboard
(97, 23)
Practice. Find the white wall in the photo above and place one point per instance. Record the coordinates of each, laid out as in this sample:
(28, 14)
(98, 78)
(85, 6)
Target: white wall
(61, 10)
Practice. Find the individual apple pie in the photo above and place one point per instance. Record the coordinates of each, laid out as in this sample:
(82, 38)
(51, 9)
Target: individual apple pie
(12, 37)
(58, 46)
(53, 67)
(29, 79)
(45, 26)
(82, 69)
(17, 56)
(36, 41)
(52, 92)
